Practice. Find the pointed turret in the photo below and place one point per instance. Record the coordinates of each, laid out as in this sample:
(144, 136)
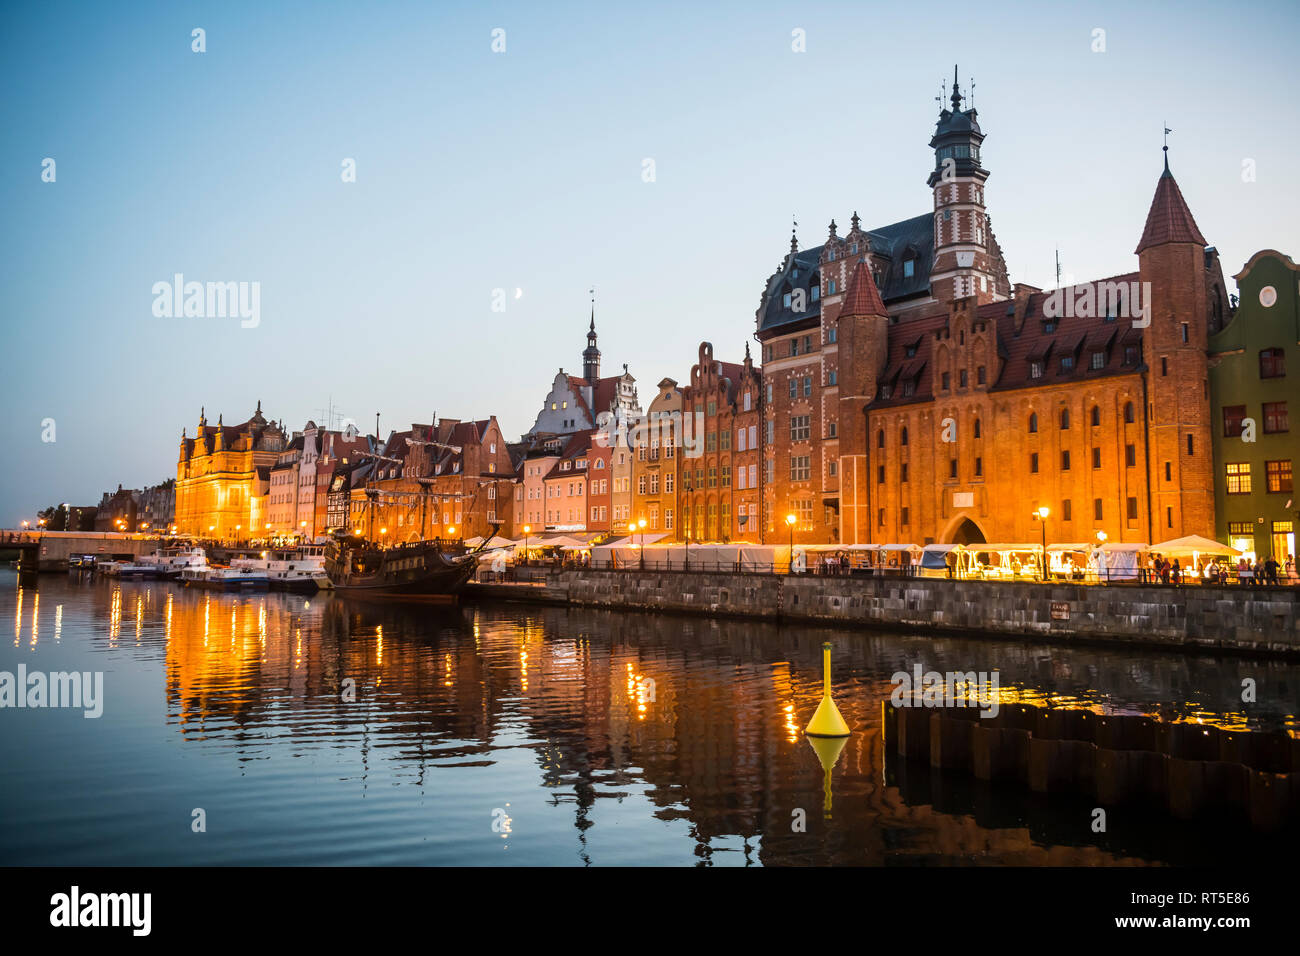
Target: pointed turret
(1169, 219)
(863, 298)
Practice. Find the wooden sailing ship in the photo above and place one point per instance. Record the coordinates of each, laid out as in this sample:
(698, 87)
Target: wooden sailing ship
(422, 569)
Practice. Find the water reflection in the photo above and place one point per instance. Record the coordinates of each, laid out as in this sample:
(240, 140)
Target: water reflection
(375, 733)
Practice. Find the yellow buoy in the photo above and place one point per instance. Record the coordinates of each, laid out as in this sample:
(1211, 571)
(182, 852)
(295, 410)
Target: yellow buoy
(828, 751)
(827, 722)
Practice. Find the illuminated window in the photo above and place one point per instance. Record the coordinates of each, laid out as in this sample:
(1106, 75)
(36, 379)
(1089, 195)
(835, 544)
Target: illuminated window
(1278, 475)
(1238, 477)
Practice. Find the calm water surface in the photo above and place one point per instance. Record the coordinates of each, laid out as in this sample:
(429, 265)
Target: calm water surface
(498, 735)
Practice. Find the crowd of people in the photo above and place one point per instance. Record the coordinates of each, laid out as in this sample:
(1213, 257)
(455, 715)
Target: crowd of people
(1266, 572)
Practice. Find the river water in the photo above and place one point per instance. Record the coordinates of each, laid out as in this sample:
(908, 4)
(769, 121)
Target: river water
(270, 728)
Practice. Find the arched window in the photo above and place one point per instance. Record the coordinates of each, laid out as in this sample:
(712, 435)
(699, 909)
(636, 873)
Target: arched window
(1128, 412)
(977, 428)
(880, 438)
(1033, 422)
(903, 438)
(1096, 415)
(1065, 419)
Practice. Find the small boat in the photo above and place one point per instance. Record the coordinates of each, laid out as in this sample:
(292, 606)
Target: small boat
(172, 561)
(133, 570)
(232, 578)
(291, 569)
(420, 569)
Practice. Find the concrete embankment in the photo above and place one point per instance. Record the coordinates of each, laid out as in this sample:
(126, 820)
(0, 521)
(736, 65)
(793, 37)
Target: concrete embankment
(1185, 769)
(1233, 619)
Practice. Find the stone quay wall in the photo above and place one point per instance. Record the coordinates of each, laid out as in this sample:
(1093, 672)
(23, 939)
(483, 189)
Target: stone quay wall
(1235, 619)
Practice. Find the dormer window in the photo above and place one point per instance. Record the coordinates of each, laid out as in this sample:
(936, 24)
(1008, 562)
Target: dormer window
(785, 300)
(910, 351)
(830, 287)
(1049, 326)
(909, 268)
(1035, 369)
(816, 292)
(853, 249)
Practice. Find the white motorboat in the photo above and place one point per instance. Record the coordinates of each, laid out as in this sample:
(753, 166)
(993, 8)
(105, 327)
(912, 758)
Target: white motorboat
(172, 561)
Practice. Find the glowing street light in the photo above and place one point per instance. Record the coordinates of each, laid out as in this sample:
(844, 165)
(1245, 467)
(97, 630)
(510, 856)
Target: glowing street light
(1101, 540)
(790, 519)
(1041, 516)
(527, 529)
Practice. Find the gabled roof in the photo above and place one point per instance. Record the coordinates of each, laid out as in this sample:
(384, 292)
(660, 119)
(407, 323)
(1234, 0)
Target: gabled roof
(1169, 219)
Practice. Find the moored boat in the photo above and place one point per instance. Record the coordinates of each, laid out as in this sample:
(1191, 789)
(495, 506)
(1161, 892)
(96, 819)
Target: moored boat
(172, 561)
(421, 569)
(225, 578)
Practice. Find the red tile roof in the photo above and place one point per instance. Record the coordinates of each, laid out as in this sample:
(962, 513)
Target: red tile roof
(1169, 219)
(1075, 335)
(863, 298)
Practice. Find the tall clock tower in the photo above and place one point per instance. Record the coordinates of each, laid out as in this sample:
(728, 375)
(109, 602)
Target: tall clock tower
(963, 264)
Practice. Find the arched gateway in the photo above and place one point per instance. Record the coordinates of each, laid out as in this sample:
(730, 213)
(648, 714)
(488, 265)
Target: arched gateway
(964, 531)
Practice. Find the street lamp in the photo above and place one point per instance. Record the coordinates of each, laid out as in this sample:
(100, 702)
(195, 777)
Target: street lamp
(640, 523)
(1101, 541)
(527, 529)
(790, 519)
(1041, 516)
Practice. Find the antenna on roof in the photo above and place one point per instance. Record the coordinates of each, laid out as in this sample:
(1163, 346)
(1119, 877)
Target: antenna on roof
(972, 92)
(1058, 268)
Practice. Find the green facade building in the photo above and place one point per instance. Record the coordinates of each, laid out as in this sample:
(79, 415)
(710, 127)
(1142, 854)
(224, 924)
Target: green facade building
(1254, 385)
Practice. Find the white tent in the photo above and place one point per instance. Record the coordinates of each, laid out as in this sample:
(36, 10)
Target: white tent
(1193, 545)
(1116, 561)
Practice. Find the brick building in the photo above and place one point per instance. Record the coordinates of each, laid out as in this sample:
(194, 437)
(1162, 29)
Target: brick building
(911, 394)
(719, 496)
(655, 445)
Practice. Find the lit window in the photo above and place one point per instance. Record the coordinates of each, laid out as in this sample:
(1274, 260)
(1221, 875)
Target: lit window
(1238, 476)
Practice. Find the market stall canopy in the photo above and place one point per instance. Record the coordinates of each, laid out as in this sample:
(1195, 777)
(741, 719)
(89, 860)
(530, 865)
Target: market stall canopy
(634, 540)
(1193, 544)
(496, 541)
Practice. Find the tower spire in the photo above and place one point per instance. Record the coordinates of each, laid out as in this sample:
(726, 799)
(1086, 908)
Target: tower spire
(956, 94)
(1166, 149)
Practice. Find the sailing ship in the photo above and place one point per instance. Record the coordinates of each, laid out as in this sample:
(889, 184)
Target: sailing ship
(423, 569)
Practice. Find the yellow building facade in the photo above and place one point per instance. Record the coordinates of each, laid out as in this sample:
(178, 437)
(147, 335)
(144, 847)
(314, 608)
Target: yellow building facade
(223, 475)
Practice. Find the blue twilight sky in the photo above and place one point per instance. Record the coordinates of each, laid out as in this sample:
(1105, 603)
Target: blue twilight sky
(522, 170)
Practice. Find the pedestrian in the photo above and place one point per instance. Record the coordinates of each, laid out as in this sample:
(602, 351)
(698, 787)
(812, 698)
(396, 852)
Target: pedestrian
(1177, 572)
(1292, 578)
(1270, 570)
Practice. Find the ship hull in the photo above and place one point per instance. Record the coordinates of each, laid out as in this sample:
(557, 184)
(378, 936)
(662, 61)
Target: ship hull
(410, 573)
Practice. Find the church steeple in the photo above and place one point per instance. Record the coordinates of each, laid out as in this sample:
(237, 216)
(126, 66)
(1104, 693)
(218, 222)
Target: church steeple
(591, 354)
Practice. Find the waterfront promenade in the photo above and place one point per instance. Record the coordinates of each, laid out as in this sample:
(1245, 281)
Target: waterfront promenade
(1259, 620)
